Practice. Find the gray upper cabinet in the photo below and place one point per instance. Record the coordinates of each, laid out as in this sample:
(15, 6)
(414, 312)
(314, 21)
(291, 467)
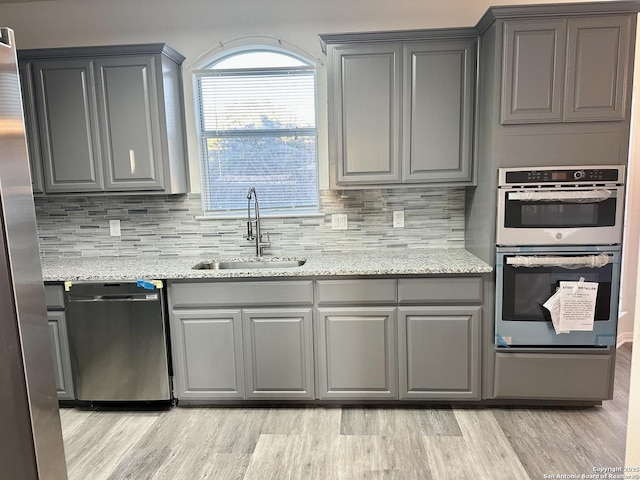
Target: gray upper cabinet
(565, 70)
(597, 68)
(110, 119)
(365, 105)
(68, 130)
(31, 126)
(533, 70)
(438, 111)
(401, 108)
(129, 123)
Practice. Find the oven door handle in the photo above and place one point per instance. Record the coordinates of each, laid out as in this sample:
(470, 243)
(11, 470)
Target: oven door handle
(582, 261)
(569, 196)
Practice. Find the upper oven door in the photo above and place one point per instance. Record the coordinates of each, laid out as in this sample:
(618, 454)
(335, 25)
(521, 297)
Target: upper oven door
(560, 216)
(526, 280)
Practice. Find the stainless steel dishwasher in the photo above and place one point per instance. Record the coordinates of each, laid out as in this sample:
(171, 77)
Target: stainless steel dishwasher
(118, 342)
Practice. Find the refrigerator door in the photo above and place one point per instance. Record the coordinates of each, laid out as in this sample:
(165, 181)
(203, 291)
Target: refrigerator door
(31, 441)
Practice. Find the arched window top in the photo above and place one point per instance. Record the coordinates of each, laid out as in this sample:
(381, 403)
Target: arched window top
(256, 58)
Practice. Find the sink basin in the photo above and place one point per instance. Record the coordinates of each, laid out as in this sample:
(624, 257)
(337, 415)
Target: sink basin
(248, 264)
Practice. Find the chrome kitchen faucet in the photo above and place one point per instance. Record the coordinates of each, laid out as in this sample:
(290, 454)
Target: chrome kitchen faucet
(250, 232)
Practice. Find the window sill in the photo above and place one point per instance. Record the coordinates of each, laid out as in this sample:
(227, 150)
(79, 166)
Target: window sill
(262, 216)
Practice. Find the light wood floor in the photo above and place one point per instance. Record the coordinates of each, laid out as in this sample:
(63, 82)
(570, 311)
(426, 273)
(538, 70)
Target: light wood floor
(348, 443)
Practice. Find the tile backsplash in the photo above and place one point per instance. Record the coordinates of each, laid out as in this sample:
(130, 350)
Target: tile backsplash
(167, 225)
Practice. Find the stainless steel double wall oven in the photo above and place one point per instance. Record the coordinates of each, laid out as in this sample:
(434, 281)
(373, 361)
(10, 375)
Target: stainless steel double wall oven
(557, 224)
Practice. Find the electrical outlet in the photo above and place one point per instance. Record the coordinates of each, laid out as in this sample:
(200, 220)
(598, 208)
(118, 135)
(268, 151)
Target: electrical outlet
(339, 221)
(114, 228)
(398, 219)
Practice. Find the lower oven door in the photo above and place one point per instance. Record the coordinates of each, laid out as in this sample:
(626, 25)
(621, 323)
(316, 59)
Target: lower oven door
(521, 291)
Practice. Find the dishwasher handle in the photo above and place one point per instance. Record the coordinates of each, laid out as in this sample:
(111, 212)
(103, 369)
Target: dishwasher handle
(116, 297)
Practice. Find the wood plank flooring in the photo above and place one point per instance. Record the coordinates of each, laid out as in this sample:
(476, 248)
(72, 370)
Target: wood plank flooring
(348, 443)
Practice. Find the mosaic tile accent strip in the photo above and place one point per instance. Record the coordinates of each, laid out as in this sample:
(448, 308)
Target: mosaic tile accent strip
(74, 226)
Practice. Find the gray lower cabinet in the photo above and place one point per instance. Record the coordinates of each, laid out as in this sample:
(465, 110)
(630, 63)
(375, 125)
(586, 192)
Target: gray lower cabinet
(278, 353)
(207, 354)
(566, 69)
(109, 119)
(61, 358)
(554, 376)
(59, 341)
(439, 352)
(242, 340)
(357, 353)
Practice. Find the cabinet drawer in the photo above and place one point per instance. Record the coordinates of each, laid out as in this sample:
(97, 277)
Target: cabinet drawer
(440, 290)
(554, 376)
(349, 292)
(213, 294)
(53, 296)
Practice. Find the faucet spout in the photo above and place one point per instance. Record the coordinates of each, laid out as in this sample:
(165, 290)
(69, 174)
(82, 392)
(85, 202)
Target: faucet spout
(257, 236)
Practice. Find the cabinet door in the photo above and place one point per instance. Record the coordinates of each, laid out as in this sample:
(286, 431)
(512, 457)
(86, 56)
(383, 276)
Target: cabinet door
(356, 353)
(68, 131)
(598, 59)
(533, 71)
(438, 111)
(207, 354)
(31, 126)
(365, 113)
(278, 353)
(439, 353)
(61, 358)
(129, 123)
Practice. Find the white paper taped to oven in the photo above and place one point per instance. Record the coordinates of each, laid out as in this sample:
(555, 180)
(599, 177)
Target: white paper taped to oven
(578, 196)
(583, 261)
(572, 306)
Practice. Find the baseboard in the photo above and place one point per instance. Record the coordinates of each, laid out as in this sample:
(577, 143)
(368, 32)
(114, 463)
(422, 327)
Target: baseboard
(623, 338)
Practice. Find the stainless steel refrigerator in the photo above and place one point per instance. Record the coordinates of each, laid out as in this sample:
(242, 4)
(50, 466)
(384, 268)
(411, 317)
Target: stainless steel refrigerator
(31, 444)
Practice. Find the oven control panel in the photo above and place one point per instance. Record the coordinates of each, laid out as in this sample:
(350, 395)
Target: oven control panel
(561, 175)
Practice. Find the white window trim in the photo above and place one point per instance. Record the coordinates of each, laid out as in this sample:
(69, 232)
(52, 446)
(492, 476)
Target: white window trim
(243, 44)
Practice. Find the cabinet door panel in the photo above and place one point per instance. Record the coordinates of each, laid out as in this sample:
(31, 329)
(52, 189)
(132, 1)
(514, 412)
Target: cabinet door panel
(356, 355)
(207, 354)
(554, 376)
(68, 130)
(278, 353)
(61, 357)
(439, 353)
(596, 83)
(438, 111)
(366, 114)
(129, 121)
(533, 71)
(31, 126)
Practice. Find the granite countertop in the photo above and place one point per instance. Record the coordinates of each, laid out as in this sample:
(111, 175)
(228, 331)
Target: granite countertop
(405, 262)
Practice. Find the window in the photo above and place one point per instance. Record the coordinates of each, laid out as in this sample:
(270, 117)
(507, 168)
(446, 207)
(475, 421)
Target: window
(257, 128)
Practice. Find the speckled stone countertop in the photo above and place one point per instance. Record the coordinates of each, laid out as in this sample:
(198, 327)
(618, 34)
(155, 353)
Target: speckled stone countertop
(405, 262)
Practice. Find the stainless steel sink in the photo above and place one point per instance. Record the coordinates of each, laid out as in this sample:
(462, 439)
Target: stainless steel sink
(247, 264)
